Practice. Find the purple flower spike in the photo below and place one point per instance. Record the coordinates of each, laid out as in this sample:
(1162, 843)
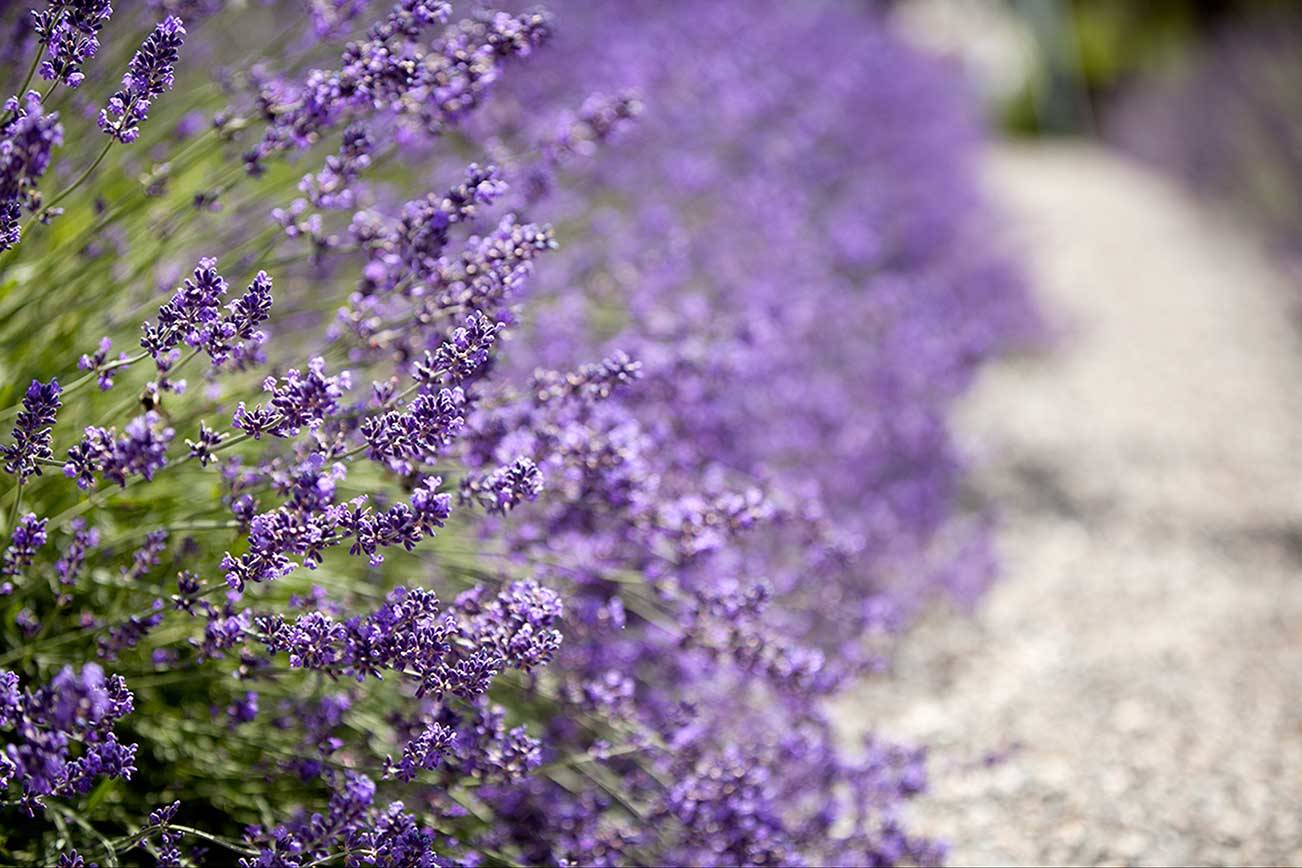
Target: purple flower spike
(33, 432)
(27, 537)
(149, 74)
(140, 450)
(26, 141)
(69, 30)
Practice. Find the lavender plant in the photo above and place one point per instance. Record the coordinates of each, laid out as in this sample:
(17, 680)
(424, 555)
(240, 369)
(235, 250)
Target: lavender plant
(579, 430)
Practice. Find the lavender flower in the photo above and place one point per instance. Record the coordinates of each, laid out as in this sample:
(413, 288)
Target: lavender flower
(425, 751)
(27, 537)
(190, 315)
(149, 74)
(332, 187)
(520, 623)
(75, 707)
(300, 399)
(506, 487)
(439, 84)
(145, 558)
(27, 138)
(68, 567)
(128, 634)
(202, 448)
(33, 430)
(417, 433)
(237, 333)
(69, 29)
(464, 353)
(140, 450)
(423, 230)
(96, 362)
(589, 382)
(169, 855)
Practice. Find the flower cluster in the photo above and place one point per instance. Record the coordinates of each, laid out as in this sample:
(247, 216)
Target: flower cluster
(300, 399)
(68, 567)
(27, 537)
(557, 605)
(140, 450)
(193, 316)
(77, 707)
(27, 137)
(149, 74)
(416, 433)
(99, 364)
(69, 30)
(33, 430)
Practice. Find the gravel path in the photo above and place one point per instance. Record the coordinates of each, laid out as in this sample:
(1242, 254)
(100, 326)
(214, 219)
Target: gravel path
(1140, 664)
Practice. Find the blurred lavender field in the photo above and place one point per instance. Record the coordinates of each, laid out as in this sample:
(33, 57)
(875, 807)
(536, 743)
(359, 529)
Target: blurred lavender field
(1130, 691)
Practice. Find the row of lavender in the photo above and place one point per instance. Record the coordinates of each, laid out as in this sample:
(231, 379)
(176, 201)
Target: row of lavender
(470, 477)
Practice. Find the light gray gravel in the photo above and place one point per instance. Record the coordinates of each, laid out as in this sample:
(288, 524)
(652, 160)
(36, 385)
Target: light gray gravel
(1141, 660)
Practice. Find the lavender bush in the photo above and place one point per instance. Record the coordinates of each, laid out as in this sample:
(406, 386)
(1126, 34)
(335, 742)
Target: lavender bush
(476, 436)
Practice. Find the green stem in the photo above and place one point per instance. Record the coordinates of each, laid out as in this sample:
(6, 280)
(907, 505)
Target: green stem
(31, 71)
(63, 194)
(80, 383)
(17, 507)
(132, 840)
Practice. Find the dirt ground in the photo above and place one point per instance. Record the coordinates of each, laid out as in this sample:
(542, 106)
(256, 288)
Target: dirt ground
(1139, 666)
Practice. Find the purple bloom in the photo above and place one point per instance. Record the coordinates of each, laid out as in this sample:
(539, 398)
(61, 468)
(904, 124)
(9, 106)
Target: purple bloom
(237, 333)
(520, 623)
(69, 30)
(169, 855)
(26, 140)
(145, 558)
(464, 353)
(423, 230)
(129, 633)
(190, 315)
(202, 448)
(141, 450)
(438, 84)
(149, 74)
(506, 487)
(329, 17)
(95, 362)
(332, 187)
(589, 382)
(300, 399)
(414, 435)
(68, 567)
(33, 430)
(425, 751)
(75, 707)
(27, 537)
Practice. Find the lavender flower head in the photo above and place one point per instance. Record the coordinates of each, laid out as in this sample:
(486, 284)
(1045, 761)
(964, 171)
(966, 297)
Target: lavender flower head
(26, 141)
(69, 29)
(149, 74)
(33, 430)
(140, 450)
(27, 537)
(98, 362)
